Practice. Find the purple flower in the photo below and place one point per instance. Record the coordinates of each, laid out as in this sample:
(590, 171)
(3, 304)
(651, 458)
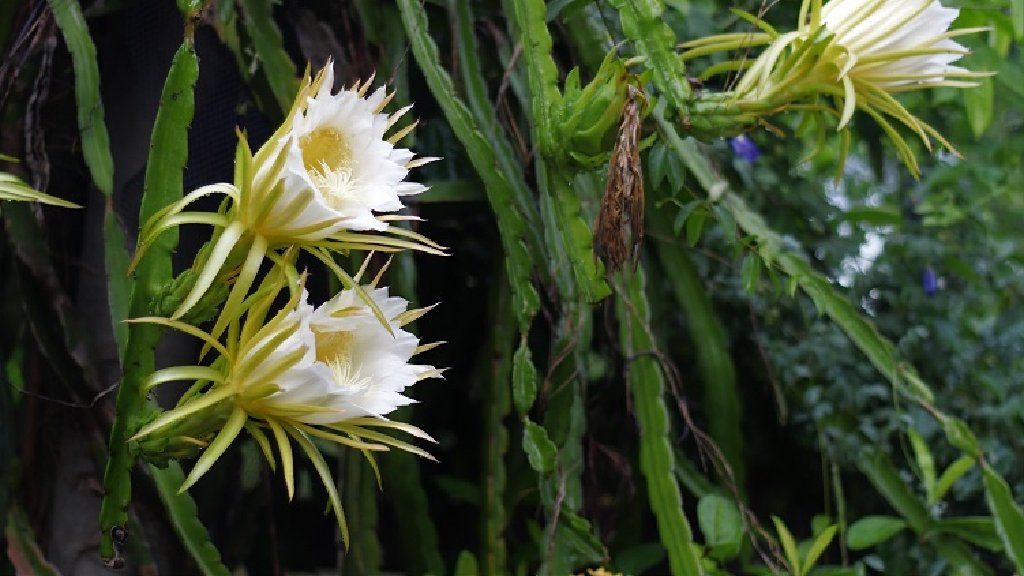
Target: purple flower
(929, 281)
(745, 148)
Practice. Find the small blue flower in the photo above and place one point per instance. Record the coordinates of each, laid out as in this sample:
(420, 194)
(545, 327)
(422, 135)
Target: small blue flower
(745, 148)
(929, 281)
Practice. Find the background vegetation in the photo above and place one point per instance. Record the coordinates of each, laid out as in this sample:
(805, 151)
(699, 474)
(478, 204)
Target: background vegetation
(834, 359)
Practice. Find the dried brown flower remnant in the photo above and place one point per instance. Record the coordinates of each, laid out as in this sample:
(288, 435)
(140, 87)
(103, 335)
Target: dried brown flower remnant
(623, 198)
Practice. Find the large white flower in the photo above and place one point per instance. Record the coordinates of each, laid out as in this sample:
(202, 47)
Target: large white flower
(856, 50)
(351, 365)
(844, 56)
(340, 167)
(323, 182)
(332, 372)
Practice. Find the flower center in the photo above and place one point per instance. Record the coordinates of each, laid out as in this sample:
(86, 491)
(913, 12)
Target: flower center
(325, 148)
(335, 350)
(327, 157)
(346, 376)
(333, 345)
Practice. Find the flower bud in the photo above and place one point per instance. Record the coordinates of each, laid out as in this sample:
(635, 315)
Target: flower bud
(589, 116)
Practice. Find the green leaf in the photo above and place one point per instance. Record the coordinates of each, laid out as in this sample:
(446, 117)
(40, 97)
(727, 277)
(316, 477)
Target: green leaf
(1008, 516)
(726, 222)
(576, 532)
(751, 273)
(576, 238)
(961, 559)
(95, 141)
(258, 18)
(875, 464)
(788, 546)
(872, 530)
(540, 450)
(184, 517)
(818, 547)
(168, 153)
(684, 213)
(722, 525)
(954, 472)
(691, 478)
(662, 167)
(887, 481)
(960, 436)
(978, 530)
(978, 103)
(524, 379)
(695, 226)
(820, 523)
(659, 164)
(925, 462)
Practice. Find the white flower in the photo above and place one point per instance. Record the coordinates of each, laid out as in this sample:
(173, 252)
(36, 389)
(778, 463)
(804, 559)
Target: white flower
(333, 372)
(844, 56)
(317, 184)
(894, 42)
(339, 167)
(346, 363)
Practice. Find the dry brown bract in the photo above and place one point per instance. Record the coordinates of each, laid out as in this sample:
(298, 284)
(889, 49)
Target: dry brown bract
(624, 193)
